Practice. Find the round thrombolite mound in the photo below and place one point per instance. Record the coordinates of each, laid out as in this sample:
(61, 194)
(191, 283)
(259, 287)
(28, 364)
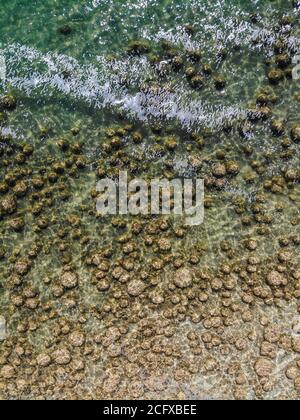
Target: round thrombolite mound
(183, 278)
(77, 339)
(43, 360)
(7, 372)
(62, 356)
(65, 30)
(69, 280)
(8, 205)
(275, 76)
(219, 170)
(220, 82)
(8, 102)
(136, 288)
(276, 279)
(277, 127)
(295, 133)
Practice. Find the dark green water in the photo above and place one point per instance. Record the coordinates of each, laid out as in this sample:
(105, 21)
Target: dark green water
(69, 68)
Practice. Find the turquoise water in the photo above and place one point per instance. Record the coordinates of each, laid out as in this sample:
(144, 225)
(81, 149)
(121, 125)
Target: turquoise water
(37, 54)
(97, 89)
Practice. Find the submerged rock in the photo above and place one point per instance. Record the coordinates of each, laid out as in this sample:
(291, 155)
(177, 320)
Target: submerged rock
(136, 288)
(259, 114)
(77, 339)
(263, 367)
(183, 278)
(43, 360)
(196, 82)
(138, 47)
(22, 267)
(8, 205)
(296, 344)
(65, 30)
(283, 61)
(194, 55)
(62, 356)
(295, 133)
(220, 82)
(219, 170)
(275, 76)
(8, 102)
(277, 127)
(7, 372)
(69, 280)
(17, 224)
(276, 279)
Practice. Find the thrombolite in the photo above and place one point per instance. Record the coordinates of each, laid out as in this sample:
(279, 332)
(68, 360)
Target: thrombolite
(143, 306)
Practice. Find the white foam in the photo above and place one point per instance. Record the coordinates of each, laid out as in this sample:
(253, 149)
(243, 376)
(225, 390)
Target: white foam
(100, 86)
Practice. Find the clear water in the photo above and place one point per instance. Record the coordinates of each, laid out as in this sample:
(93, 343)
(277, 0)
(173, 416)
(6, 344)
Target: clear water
(85, 80)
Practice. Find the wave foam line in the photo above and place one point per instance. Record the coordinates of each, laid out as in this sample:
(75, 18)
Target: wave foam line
(110, 84)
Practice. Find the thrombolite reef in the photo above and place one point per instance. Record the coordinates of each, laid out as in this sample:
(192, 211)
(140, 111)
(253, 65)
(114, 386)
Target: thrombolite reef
(143, 306)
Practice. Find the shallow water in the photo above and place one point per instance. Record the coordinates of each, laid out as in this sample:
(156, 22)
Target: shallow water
(74, 86)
